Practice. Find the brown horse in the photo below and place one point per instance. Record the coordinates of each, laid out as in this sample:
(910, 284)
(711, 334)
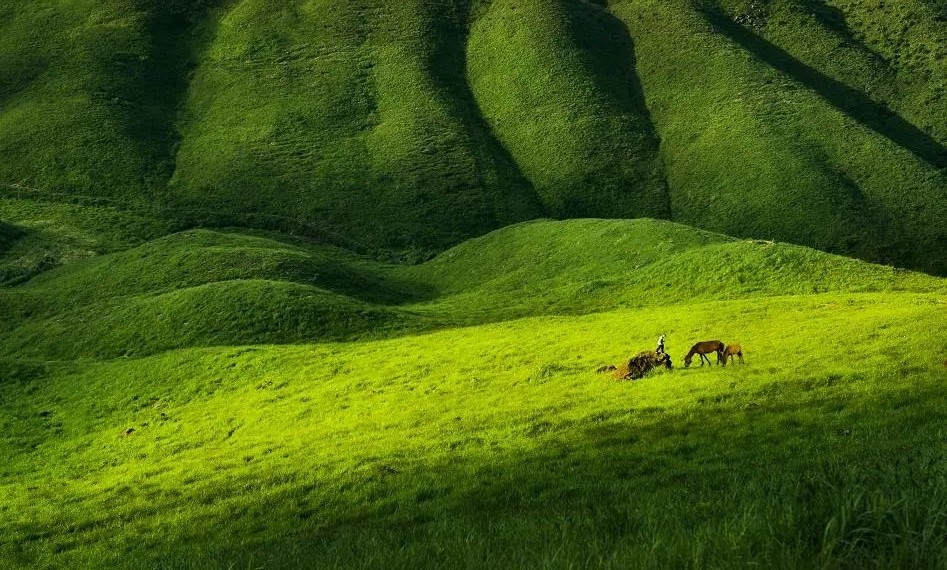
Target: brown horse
(702, 349)
(730, 351)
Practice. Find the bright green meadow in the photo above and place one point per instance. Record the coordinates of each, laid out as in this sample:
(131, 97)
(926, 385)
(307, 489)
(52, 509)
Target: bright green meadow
(327, 283)
(448, 414)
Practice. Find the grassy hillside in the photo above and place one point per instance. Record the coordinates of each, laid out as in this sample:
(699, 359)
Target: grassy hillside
(326, 283)
(89, 93)
(352, 115)
(154, 410)
(412, 126)
(910, 38)
(762, 127)
(207, 288)
(38, 235)
(556, 82)
(496, 446)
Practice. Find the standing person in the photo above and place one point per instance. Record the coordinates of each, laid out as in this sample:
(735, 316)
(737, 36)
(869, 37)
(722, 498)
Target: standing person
(660, 348)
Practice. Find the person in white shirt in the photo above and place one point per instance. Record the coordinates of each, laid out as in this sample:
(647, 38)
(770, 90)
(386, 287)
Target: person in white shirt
(660, 348)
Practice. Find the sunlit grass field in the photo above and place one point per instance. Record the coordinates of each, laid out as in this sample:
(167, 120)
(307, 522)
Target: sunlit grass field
(218, 399)
(498, 445)
(325, 283)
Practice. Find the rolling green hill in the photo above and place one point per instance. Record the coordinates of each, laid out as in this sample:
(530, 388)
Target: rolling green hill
(414, 125)
(327, 283)
(496, 445)
(206, 288)
(215, 398)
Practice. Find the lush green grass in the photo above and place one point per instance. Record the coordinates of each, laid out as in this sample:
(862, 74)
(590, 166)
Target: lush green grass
(179, 391)
(411, 126)
(204, 288)
(89, 92)
(556, 82)
(458, 425)
(764, 126)
(892, 53)
(498, 445)
(354, 115)
(911, 38)
(36, 236)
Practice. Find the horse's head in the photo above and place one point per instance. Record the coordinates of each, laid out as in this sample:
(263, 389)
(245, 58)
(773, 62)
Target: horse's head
(687, 361)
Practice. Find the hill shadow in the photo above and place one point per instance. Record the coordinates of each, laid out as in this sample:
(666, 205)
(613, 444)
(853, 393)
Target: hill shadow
(611, 60)
(621, 475)
(9, 235)
(156, 87)
(851, 102)
(612, 52)
(517, 199)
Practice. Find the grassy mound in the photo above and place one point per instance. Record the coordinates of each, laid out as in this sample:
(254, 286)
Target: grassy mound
(200, 288)
(556, 82)
(207, 288)
(216, 314)
(497, 446)
(198, 257)
(586, 265)
(43, 235)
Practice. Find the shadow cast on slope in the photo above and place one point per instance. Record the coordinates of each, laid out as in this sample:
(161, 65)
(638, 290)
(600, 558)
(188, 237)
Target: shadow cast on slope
(613, 66)
(707, 486)
(849, 101)
(155, 89)
(517, 198)
(9, 235)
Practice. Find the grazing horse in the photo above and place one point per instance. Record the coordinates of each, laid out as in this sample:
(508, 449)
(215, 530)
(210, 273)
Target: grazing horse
(702, 349)
(730, 351)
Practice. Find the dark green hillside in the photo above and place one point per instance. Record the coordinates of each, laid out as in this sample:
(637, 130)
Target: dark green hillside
(89, 93)
(557, 82)
(414, 125)
(911, 38)
(40, 236)
(352, 115)
(756, 142)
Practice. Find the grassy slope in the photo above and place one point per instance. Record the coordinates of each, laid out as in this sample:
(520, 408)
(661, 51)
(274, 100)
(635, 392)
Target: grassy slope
(88, 95)
(892, 55)
(910, 37)
(556, 81)
(498, 446)
(415, 125)
(352, 114)
(203, 288)
(490, 444)
(41, 235)
(760, 128)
